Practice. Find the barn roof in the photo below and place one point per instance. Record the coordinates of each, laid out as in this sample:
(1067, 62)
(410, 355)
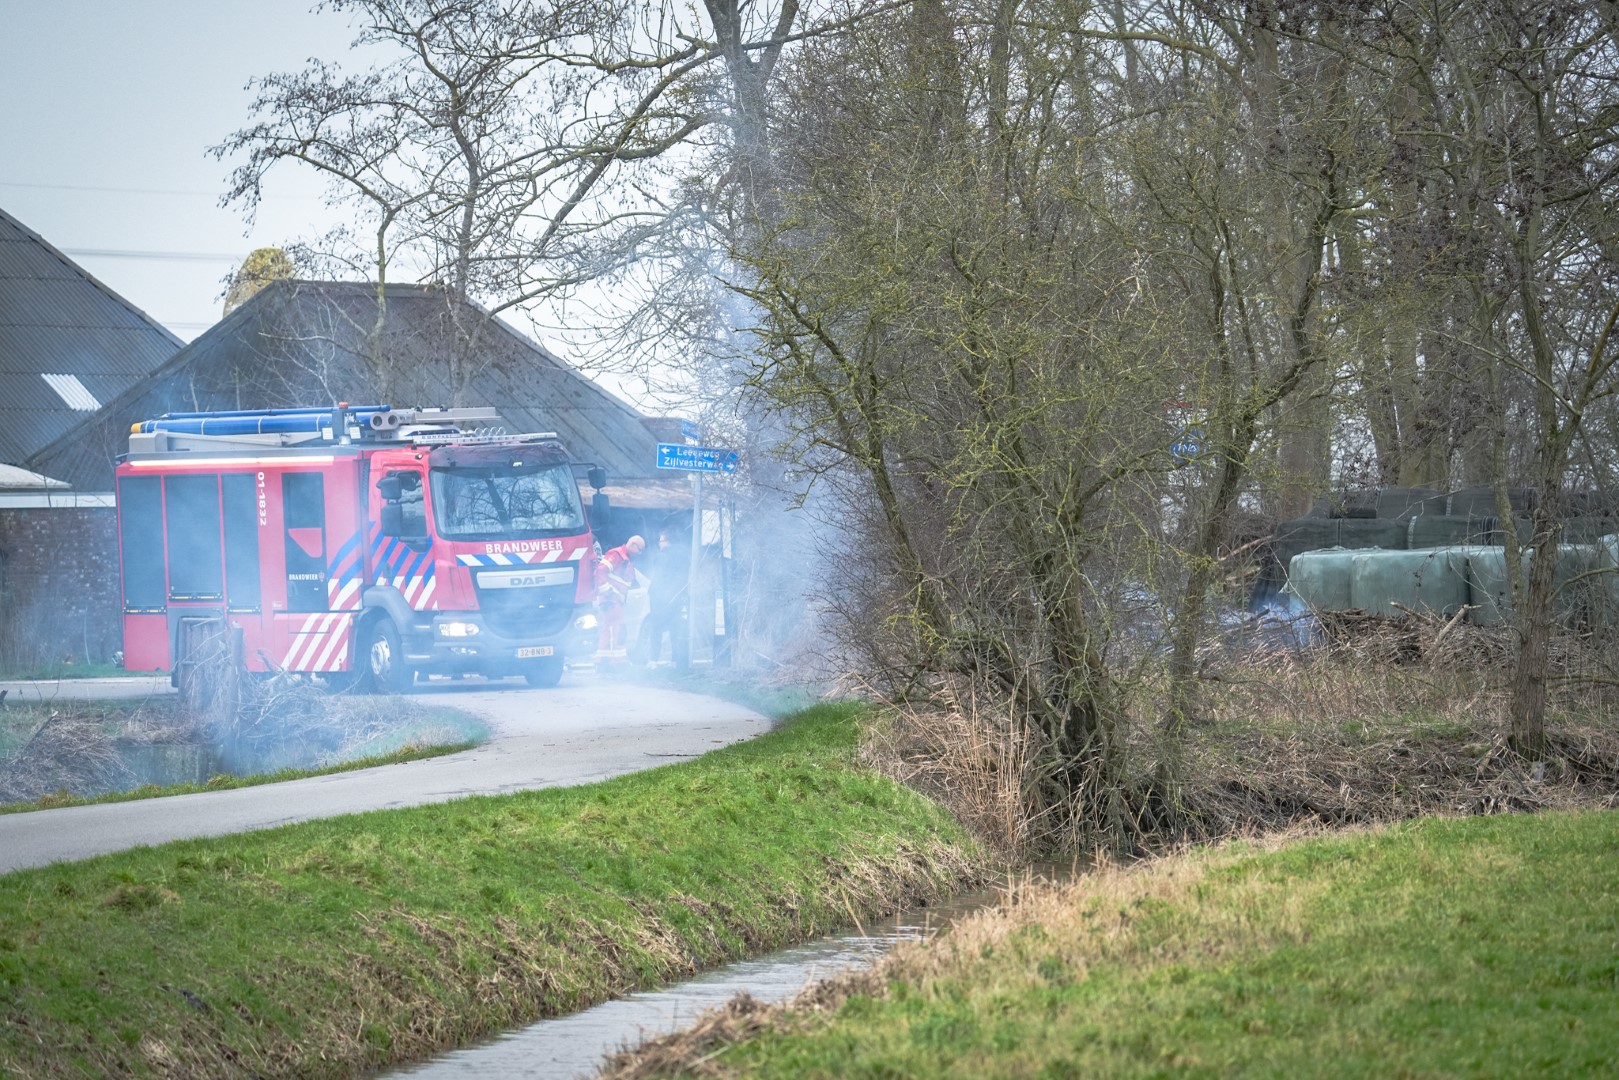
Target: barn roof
(68, 344)
(301, 343)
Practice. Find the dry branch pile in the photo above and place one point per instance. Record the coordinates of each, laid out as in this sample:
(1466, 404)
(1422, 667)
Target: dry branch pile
(74, 747)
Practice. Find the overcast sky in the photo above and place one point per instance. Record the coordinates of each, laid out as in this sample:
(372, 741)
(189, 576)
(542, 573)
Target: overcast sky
(108, 110)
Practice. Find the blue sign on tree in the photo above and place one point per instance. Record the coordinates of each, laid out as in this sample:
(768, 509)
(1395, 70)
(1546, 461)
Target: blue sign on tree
(696, 458)
(1188, 445)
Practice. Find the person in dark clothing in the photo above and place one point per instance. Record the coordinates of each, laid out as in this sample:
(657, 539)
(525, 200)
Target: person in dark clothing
(667, 597)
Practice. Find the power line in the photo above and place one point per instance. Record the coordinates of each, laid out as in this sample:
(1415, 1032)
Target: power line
(133, 191)
(120, 190)
(170, 256)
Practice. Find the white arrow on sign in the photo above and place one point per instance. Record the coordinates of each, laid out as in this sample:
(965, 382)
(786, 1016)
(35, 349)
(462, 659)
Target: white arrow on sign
(696, 458)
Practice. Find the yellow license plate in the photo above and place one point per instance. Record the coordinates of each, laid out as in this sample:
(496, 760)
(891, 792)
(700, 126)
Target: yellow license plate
(533, 650)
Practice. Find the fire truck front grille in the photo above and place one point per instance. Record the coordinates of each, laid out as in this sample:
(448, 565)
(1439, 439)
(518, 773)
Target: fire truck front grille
(540, 611)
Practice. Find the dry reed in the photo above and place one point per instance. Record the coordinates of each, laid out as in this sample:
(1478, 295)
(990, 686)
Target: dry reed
(1381, 719)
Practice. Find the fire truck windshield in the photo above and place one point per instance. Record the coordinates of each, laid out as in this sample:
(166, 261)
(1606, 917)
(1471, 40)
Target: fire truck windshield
(503, 502)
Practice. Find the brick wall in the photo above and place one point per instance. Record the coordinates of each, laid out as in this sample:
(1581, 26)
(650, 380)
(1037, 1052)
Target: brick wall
(58, 587)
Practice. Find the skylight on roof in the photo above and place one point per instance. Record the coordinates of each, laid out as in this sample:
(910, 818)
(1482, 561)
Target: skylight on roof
(72, 392)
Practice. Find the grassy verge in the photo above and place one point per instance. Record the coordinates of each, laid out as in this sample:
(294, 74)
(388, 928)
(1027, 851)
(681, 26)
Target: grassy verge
(53, 672)
(326, 948)
(82, 757)
(774, 701)
(1445, 947)
(225, 781)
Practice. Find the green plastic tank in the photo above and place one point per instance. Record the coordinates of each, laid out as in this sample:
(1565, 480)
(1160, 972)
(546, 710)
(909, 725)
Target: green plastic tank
(1610, 550)
(1321, 578)
(1294, 537)
(1480, 502)
(1372, 533)
(1608, 560)
(1442, 530)
(1408, 502)
(1587, 530)
(1583, 589)
(1393, 583)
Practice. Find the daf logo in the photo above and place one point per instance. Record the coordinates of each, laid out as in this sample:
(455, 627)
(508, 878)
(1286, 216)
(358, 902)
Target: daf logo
(526, 579)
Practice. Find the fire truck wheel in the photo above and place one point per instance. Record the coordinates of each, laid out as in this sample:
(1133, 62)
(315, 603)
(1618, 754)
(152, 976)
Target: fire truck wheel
(544, 673)
(385, 667)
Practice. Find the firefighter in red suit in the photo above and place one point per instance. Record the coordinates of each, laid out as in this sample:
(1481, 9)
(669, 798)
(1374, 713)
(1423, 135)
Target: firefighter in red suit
(615, 576)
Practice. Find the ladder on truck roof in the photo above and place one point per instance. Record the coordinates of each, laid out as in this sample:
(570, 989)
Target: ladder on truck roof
(315, 428)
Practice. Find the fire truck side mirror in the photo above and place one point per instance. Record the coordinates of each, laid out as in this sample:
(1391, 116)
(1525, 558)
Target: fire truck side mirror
(597, 477)
(392, 519)
(390, 488)
(598, 509)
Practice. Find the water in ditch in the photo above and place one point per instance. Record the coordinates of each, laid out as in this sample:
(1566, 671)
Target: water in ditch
(574, 1045)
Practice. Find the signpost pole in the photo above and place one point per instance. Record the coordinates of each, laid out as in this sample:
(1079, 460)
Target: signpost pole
(691, 456)
(727, 522)
(696, 558)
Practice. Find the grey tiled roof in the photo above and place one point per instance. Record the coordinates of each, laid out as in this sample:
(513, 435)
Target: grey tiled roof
(299, 343)
(57, 320)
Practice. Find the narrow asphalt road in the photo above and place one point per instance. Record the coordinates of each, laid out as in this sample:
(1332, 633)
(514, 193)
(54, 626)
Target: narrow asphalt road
(586, 730)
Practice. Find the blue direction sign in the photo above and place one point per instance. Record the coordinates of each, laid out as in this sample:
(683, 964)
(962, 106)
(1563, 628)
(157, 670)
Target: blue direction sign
(696, 458)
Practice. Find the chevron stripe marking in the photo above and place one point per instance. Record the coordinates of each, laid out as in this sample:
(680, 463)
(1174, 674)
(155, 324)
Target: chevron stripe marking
(339, 640)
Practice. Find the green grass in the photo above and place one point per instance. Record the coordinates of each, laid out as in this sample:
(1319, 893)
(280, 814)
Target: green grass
(421, 733)
(1480, 947)
(772, 701)
(51, 672)
(226, 781)
(327, 948)
(1416, 728)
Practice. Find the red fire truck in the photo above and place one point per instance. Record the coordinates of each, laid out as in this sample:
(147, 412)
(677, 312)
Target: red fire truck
(362, 544)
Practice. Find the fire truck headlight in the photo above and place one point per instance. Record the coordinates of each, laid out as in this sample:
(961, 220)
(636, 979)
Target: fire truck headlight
(457, 629)
(585, 622)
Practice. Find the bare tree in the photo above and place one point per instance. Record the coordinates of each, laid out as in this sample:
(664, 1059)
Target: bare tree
(952, 318)
(1543, 135)
(1245, 157)
(1508, 106)
(493, 152)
